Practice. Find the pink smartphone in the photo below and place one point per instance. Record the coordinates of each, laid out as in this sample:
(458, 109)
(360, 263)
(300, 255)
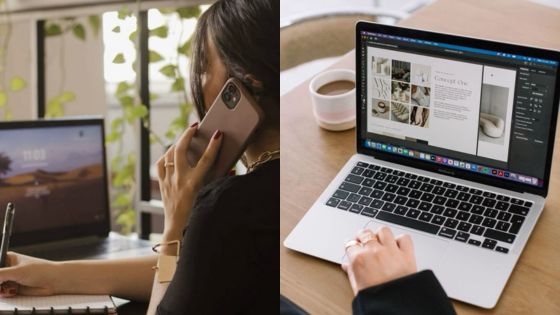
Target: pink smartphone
(238, 116)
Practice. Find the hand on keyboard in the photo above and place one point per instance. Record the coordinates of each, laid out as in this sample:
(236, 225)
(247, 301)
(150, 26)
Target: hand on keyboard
(375, 258)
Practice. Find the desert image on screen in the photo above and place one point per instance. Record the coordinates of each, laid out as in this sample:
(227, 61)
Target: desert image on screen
(53, 175)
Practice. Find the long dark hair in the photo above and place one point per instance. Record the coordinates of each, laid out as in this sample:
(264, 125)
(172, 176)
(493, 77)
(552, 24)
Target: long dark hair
(246, 36)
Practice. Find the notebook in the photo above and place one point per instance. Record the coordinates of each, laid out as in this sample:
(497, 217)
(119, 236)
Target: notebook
(58, 304)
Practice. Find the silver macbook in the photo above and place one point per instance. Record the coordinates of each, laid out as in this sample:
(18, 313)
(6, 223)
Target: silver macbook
(454, 140)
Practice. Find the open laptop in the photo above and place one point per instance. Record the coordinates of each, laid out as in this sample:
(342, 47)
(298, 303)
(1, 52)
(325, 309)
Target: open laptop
(55, 172)
(454, 144)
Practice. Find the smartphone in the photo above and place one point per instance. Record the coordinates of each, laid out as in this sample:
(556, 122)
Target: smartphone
(234, 112)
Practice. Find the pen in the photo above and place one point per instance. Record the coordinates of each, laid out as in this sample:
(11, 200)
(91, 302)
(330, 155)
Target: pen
(7, 233)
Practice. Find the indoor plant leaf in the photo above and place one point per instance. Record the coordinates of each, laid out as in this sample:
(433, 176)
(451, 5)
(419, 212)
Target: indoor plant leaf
(185, 48)
(126, 101)
(54, 108)
(155, 56)
(178, 85)
(168, 71)
(139, 111)
(190, 12)
(160, 31)
(123, 13)
(3, 99)
(17, 83)
(122, 87)
(95, 23)
(116, 124)
(113, 136)
(53, 29)
(164, 11)
(122, 200)
(132, 36)
(79, 31)
(119, 59)
(67, 96)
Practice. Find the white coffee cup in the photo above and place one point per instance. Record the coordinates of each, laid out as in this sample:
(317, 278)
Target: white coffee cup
(334, 112)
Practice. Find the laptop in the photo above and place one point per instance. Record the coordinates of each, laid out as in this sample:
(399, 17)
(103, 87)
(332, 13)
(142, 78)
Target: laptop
(454, 140)
(55, 172)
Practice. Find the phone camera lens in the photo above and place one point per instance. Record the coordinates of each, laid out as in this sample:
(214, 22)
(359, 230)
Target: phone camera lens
(231, 96)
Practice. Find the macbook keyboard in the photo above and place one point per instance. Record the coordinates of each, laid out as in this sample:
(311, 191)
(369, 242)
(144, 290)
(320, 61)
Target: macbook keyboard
(451, 211)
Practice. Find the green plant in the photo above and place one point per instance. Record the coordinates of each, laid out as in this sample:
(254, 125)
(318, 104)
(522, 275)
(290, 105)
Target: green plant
(123, 164)
(56, 104)
(16, 83)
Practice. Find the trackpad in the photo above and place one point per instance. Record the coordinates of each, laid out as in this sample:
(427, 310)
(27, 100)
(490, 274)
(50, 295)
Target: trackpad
(429, 250)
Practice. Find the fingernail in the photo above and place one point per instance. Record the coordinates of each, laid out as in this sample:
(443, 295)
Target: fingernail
(194, 124)
(217, 134)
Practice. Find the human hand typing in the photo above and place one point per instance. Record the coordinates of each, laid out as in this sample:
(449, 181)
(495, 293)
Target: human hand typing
(375, 258)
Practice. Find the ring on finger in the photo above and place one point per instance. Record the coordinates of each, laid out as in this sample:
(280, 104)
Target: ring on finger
(351, 243)
(168, 164)
(368, 238)
(365, 236)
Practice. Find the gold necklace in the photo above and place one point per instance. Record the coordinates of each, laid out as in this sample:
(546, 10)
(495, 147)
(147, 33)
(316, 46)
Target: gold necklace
(263, 158)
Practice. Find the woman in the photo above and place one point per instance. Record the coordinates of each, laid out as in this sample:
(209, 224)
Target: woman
(228, 230)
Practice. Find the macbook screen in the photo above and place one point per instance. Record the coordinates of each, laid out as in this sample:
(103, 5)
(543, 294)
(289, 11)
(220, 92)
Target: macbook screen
(479, 110)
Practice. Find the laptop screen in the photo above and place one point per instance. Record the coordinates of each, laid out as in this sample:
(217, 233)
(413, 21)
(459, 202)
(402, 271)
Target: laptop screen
(483, 111)
(54, 174)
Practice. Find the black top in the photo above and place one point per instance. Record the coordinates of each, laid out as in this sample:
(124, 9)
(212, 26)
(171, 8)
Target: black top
(229, 262)
(419, 293)
(416, 294)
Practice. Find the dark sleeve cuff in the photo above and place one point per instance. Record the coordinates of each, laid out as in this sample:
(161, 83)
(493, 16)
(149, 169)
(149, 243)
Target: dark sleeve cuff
(418, 293)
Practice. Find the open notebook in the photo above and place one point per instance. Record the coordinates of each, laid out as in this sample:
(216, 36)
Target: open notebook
(58, 304)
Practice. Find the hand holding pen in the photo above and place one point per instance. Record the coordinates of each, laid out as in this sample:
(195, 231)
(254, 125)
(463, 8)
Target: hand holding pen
(7, 233)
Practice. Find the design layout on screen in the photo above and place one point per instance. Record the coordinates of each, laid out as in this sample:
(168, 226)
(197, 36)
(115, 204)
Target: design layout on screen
(455, 105)
(54, 175)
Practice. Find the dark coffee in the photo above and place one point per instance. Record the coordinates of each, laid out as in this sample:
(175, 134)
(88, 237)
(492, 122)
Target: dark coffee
(336, 87)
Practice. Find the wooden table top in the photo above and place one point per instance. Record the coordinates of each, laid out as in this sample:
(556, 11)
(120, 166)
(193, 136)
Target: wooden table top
(311, 157)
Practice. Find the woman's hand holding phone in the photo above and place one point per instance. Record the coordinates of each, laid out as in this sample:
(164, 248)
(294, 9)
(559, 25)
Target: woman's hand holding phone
(180, 182)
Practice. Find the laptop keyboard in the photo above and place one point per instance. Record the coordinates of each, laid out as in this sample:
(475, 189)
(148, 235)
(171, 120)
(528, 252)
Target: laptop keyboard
(451, 211)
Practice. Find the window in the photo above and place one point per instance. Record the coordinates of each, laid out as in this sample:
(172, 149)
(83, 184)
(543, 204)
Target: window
(86, 73)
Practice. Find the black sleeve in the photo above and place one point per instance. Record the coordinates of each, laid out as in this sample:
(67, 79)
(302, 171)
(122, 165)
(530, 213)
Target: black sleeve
(419, 293)
(211, 264)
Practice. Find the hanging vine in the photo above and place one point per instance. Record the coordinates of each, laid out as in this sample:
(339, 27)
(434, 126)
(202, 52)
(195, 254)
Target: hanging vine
(123, 164)
(16, 83)
(171, 71)
(56, 104)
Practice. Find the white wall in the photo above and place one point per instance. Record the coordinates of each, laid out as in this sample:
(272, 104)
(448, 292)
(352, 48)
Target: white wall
(19, 63)
(82, 62)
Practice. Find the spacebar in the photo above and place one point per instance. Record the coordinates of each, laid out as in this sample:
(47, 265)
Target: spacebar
(404, 221)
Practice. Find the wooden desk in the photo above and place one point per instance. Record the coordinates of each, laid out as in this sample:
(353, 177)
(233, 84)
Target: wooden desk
(311, 157)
